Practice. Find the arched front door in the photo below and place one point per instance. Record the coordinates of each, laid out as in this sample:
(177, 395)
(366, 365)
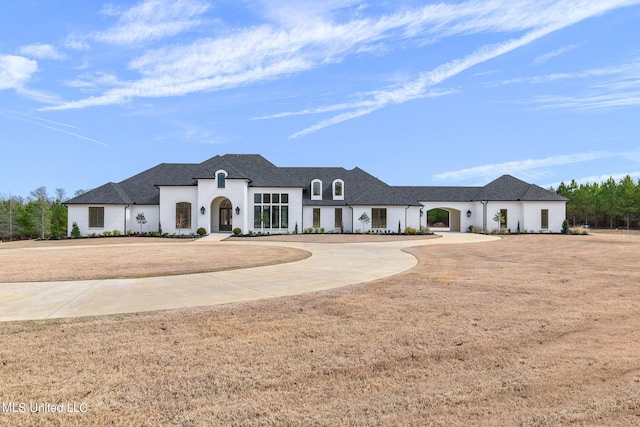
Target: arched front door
(225, 216)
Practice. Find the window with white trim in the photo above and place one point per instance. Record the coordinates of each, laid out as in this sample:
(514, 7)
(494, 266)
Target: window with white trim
(96, 216)
(271, 210)
(316, 189)
(338, 189)
(544, 219)
(221, 177)
(183, 215)
(378, 217)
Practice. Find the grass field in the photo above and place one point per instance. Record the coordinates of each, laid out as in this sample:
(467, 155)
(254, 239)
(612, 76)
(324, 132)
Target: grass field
(530, 330)
(128, 257)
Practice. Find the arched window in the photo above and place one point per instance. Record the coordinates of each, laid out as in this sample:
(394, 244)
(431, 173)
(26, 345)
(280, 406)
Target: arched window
(221, 177)
(338, 189)
(316, 189)
(183, 215)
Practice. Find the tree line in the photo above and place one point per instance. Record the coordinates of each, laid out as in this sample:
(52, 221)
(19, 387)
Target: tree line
(39, 216)
(608, 204)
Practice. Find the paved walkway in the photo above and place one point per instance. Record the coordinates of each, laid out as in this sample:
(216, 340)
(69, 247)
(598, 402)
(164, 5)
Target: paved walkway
(331, 265)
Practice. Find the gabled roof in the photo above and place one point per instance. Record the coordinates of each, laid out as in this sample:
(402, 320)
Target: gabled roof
(109, 193)
(508, 188)
(142, 189)
(360, 188)
(505, 188)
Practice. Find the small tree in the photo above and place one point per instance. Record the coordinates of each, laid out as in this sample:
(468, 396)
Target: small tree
(75, 230)
(565, 227)
(499, 218)
(364, 219)
(141, 220)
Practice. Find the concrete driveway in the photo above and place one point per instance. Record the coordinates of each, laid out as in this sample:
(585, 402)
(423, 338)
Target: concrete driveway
(331, 265)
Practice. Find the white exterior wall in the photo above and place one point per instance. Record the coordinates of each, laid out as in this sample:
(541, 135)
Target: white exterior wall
(113, 219)
(533, 216)
(515, 214)
(210, 196)
(151, 214)
(295, 209)
(328, 218)
(169, 196)
(394, 214)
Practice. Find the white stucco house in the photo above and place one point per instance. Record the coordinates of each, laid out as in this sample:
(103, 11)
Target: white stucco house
(247, 191)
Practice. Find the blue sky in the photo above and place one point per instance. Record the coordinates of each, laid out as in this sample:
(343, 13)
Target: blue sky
(416, 93)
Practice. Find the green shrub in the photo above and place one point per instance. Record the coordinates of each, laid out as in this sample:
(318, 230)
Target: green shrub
(565, 227)
(75, 230)
(106, 233)
(410, 230)
(237, 231)
(117, 233)
(201, 231)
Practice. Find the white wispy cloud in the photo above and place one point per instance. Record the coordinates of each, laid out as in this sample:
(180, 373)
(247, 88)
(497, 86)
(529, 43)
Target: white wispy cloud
(547, 56)
(152, 20)
(527, 167)
(15, 71)
(42, 51)
(318, 39)
(609, 87)
(417, 88)
(52, 125)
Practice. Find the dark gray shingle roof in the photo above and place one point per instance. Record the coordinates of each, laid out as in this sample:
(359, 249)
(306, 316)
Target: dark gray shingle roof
(360, 188)
(508, 188)
(505, 188)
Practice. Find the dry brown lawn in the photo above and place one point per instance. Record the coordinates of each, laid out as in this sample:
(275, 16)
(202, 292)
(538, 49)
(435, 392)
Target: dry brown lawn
(127, 257)
(525, 331)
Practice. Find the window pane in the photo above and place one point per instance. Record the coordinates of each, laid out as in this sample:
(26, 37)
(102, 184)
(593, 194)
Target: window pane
(544, 214)
(316, 188)
(338, 221)
(257, 212)
(338, 189)
(221, 180)
(378, 218)
(284, 198)
(183, 215)
(96, 217)
(284, 216)
(257, 198)
(316, 217)
(275, 217)
(266, 198)
(275, 198)
(266, 216)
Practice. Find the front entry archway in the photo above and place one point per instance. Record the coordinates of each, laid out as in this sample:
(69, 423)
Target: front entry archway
(221, 214)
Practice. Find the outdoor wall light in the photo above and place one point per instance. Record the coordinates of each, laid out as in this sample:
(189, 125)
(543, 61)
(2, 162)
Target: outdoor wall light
(468, 214)
(237, 210)
(202, 210)
(421, 213)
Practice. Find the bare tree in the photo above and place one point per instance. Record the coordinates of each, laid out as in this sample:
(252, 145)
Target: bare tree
(43, 200)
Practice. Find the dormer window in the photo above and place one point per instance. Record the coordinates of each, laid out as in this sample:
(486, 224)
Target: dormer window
(316, 189)
(338, 189)
(221, 177)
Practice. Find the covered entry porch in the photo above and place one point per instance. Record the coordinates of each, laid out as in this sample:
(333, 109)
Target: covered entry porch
(221, 215)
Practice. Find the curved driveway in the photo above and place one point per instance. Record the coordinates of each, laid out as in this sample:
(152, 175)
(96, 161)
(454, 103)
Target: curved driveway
(331, 265)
